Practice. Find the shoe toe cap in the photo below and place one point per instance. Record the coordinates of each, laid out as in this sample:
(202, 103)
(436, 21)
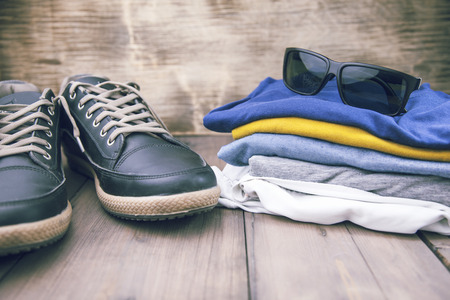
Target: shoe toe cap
(157, 169)
(158, 159)
(28, 195)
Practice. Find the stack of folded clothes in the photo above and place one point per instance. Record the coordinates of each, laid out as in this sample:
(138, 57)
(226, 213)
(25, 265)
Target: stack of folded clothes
(315, 159)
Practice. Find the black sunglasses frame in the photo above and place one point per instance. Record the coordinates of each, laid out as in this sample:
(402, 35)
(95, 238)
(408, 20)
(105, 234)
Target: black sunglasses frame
(335, 68)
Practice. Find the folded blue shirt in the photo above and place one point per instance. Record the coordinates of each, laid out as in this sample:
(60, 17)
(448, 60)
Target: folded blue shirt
(297, 147)
(425, 125)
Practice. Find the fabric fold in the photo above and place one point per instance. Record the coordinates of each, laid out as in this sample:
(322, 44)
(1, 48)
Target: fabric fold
(419, 187)
(339, 134)
(328, 204)
(425, 125)
(312, 150)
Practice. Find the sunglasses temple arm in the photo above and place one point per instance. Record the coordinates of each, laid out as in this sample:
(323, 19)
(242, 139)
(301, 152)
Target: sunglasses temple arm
(419, 83)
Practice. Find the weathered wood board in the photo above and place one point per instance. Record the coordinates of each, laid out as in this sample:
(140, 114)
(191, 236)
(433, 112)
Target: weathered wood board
(192, 56)
(292, 260)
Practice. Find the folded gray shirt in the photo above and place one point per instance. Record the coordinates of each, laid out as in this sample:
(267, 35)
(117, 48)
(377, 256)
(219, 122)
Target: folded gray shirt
(420, 187)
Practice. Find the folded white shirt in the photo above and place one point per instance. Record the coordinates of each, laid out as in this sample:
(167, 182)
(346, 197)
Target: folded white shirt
(328, 204)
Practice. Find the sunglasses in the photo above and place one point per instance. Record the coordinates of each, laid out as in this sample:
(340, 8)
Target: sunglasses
(361, 85)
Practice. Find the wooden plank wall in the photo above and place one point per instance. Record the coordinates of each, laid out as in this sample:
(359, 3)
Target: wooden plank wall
(192, 56)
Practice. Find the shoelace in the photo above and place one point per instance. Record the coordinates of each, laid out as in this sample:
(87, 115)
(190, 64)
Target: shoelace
(18, 127)
(123, 105)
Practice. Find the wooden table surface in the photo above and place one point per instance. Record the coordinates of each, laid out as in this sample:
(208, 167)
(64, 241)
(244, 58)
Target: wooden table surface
(223, 254)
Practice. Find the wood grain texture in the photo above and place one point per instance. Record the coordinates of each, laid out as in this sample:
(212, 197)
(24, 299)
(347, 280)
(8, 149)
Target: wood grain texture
(192, 56)
(439, 244)
(403, 265)
(292, 260)
(101, 257)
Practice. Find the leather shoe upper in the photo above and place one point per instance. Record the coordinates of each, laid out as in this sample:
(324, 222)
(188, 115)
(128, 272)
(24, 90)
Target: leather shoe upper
(32, 182)
(127, 145)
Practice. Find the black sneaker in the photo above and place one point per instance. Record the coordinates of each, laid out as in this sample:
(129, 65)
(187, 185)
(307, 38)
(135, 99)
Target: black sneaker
(34, 210)
(141, 171)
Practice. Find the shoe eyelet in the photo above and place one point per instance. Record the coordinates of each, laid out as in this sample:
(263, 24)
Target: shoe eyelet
(80, 107)
(88, 115)
(103, 133)
(48, 146)
(49, 133)
(95, 123)
(110, 143)
(73, 96)
(51, 112)
(47, 156)
(50, 122)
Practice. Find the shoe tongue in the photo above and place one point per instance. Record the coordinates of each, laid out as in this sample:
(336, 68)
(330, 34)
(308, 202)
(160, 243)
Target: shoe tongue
(92, 79)
(18, 92)
(21, 98)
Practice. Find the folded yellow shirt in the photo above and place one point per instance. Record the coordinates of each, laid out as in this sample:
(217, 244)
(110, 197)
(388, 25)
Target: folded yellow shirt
(337, 133)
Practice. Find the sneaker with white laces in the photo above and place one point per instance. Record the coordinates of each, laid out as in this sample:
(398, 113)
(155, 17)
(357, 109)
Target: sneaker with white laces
(34, 210)
(141, 171)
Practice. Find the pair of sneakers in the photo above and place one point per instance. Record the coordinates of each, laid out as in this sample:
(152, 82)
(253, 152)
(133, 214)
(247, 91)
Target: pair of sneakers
(108, 132)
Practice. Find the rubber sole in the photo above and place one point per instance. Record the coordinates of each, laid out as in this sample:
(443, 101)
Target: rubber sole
(154, 208)
(149, 208)
(29, 236)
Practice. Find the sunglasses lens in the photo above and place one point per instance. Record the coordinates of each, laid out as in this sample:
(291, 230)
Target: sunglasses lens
(373, 89)
(304, 72)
